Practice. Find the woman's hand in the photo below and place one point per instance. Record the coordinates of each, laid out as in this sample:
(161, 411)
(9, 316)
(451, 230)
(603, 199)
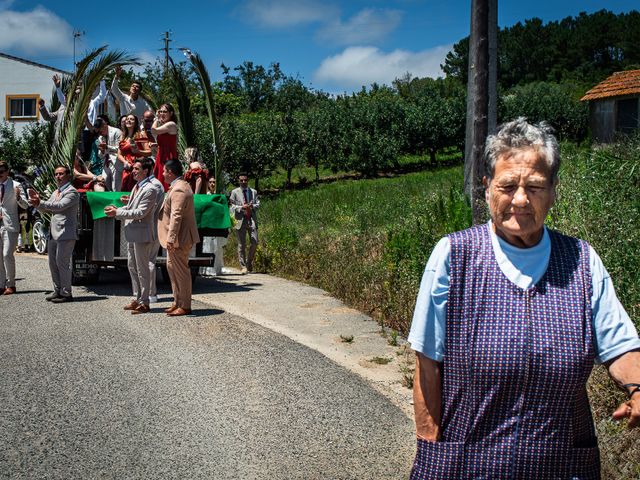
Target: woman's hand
(624, 370)
(630, 410)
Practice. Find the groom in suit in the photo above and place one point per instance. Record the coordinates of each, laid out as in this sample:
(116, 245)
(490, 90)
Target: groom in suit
(11, 196)
(243, 204)
(139, 231)
(63, 204)
(178, 232)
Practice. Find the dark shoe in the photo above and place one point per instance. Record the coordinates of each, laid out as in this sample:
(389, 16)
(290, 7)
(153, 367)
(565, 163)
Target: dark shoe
(132, 305)
(62, 299)
(51, 296)
(178, 312)
(170, 309)
(142, 308)
(9, 291)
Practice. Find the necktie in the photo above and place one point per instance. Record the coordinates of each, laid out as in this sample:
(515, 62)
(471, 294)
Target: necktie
(2, 192)
(247, 212)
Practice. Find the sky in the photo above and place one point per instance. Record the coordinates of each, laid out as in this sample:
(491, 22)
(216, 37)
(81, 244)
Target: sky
(332, 45)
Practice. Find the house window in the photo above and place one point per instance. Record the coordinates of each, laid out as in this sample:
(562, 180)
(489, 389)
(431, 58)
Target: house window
(22, 107)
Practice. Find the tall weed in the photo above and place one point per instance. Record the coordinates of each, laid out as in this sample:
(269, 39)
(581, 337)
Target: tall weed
(598, 201)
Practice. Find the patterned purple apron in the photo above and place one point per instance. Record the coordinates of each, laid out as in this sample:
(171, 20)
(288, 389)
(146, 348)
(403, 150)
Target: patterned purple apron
(514, 400)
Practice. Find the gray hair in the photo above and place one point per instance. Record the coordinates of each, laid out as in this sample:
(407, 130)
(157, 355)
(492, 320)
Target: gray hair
(521, 135)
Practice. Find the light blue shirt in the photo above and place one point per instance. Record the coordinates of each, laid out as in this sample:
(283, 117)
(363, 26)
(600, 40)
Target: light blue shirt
(614, 333)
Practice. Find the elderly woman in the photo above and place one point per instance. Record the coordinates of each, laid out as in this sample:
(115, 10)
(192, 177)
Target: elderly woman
(508, 323)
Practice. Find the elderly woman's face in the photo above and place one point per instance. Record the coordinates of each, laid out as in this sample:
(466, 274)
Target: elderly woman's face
(520, 196)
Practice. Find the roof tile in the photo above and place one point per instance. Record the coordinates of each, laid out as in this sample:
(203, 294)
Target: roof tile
(617, 85)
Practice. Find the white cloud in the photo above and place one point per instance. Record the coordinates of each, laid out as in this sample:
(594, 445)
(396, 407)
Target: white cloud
(367, 26)
(358, 66)
(34, 32)
(286, 13)
(145, 58)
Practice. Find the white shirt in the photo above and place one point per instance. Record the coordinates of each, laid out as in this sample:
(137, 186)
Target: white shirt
(127, 104)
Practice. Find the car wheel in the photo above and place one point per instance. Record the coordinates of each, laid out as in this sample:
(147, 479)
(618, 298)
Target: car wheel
(40, 236)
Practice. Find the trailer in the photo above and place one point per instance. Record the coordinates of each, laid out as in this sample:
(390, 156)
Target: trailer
(101, 241)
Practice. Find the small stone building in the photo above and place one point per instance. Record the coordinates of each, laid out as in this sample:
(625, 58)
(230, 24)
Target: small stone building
(614, 105)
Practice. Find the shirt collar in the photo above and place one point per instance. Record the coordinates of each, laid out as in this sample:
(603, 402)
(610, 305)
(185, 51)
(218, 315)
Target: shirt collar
(144, 181)
(174, 180)
(62, 188)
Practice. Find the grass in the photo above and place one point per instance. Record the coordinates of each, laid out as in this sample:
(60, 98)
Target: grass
(303, 175)
(380, 360)
(364, 241)
(598, 201)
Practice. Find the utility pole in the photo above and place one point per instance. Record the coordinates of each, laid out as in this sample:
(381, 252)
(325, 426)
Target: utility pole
(481, 100)
(76, 34)
(166, 49)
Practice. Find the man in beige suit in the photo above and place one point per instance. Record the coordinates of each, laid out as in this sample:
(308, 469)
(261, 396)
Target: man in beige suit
(178, 232)
(140, 232)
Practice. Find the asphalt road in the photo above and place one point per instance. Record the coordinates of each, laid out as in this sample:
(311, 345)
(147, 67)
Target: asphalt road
(89, 391)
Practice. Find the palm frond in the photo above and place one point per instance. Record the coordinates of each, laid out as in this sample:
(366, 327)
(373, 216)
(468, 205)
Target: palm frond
(91, 69)
(205, 84)
(187, 131)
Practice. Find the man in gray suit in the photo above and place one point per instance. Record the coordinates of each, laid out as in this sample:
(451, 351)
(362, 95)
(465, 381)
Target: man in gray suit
(153, 289)
(63, 204)
(243, 204)
(139, 231)
(11, 195)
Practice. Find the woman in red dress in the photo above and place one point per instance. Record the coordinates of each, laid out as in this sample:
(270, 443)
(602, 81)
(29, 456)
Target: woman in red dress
(165, 129)
(130, 148)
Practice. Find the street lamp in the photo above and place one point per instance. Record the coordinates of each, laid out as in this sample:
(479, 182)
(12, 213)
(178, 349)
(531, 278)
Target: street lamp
(76, 34)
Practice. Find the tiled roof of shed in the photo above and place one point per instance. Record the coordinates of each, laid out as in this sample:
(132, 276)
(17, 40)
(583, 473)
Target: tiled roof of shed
(617, 85)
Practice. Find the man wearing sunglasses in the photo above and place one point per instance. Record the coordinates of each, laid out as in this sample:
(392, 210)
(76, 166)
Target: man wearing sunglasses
(11, 196)
(63, 205)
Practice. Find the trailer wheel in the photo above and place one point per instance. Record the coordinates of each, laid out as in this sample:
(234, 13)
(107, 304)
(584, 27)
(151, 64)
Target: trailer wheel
(39, 236)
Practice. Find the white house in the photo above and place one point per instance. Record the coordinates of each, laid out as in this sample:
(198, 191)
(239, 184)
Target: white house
(22, 84)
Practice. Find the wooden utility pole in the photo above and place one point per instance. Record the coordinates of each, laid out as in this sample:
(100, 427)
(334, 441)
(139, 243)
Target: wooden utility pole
(479, 100)
(166, 49)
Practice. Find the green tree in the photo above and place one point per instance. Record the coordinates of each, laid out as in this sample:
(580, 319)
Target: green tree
(11, 146)
(252, 144)
(254, 84)
(323, 131)
(558, 104)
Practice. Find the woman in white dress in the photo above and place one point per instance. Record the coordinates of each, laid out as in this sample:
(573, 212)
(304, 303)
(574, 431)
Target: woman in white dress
(213, 244)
